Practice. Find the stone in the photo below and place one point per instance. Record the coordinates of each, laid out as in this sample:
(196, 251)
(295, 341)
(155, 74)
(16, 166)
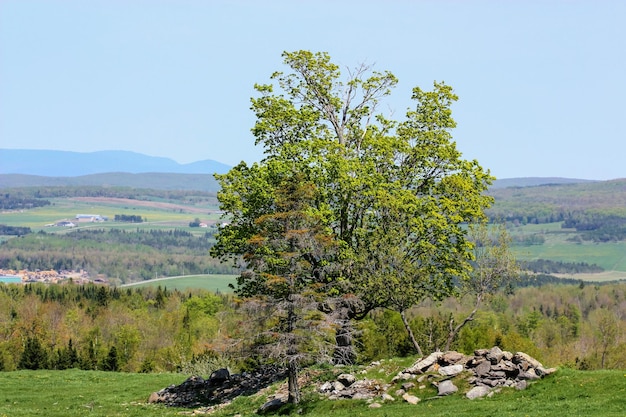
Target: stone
(451, 370)
(153, 398)
(387, 397)
(424, 363)
(411, 399)
(338, 386)
(446, 387)
(346, 379)
(483, 368)
(272, 405)
(521, 385)
(408, 385)
(375, 405)
(326, 387)
(477, 392)
(521, 357)
(494, 355)
(453, 358)
(529, 374)
(219, 376)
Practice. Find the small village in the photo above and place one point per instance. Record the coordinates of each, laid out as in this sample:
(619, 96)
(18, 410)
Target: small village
(26, 276)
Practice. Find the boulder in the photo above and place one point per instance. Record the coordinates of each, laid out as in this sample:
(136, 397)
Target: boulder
(477, 392)
(346, 379)
(272, 405)
(451, 370)
(411, 399)
(424, 363)
(446, 387)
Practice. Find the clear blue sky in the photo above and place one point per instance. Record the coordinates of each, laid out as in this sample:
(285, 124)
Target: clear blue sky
(542, 84)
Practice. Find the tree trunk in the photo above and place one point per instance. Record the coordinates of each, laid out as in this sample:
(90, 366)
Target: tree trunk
(410, 332)
(294, 389)
(292, 357)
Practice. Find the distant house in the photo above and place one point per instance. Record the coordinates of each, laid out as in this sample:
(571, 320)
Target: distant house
(65, 223)
(203, 225)
(89, 218)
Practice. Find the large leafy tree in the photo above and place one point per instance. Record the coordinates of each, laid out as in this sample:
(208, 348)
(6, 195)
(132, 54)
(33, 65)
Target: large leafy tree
(385, 187)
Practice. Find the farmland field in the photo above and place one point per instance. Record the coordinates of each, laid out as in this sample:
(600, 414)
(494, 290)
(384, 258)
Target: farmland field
(210, 282)
(159, 214)
(557, 247)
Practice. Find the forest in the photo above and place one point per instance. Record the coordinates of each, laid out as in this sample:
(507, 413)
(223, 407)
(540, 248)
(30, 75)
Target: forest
(157, 330)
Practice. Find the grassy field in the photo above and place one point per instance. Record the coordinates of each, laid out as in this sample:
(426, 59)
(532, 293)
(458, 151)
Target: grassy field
(94, 393)
(214, 283)
(156, 213)
(611, 256)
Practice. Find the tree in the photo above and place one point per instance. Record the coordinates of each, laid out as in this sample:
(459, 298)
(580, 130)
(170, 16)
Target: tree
(493, 267)
(34, 355)
(373, 175)
(287, 261)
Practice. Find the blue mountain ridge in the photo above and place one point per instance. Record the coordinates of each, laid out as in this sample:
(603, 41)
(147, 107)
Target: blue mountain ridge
(53, 163)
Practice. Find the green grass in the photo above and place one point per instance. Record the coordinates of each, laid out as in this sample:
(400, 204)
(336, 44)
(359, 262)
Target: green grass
(209, 282)
(92, 393)
(82, 393)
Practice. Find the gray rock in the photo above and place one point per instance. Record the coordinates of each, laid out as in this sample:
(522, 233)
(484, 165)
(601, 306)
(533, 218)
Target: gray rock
(451, 370)
(387, 397)
(272, 405)
(446, 387)
(346, 379)
(521, 357)
(408, 385)
(375, 405)
(453, 358)
(411, 399)
(326, 387)
(494, 355)
(424, 363)
(483, 368)
(477, 392)
(219, 376)
(521, 385)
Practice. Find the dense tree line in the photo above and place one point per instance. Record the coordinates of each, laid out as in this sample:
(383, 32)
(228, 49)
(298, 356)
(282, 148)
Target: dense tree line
(39, 194)
(122, 256)
(546, 266)
(97, 327)
(129, 218)
(14, 230)
(15, 201)
(146, 330)
(598, 227)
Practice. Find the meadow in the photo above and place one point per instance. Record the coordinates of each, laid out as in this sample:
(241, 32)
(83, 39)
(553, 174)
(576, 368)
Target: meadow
(561, 245)
(158, 214)
(95, 393)
(218, 283)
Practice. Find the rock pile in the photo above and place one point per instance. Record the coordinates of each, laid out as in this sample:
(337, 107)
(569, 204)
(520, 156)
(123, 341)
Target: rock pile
(490, 368)
(221, 387)
(486, 371)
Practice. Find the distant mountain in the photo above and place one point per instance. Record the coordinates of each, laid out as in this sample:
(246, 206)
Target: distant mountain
(535, 181)
(72, 164)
